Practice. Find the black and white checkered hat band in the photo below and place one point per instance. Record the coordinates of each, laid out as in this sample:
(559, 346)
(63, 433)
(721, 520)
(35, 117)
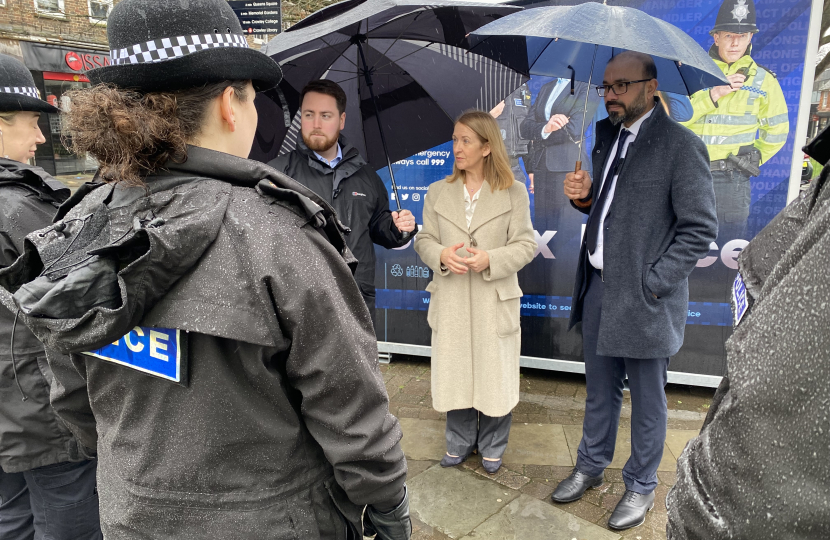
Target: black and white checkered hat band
(30, 91)
(163, 49)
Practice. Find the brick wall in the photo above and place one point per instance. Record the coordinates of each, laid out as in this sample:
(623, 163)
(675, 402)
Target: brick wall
(20, 20)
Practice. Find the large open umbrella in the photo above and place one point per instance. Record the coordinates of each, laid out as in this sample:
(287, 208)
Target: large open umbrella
(403, 65)
(578, 41)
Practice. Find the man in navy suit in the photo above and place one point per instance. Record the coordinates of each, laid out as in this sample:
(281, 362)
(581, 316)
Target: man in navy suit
(651, 216)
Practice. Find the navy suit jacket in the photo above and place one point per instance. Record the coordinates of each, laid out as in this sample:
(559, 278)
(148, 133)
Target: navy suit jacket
(660, 223)
(561, 148)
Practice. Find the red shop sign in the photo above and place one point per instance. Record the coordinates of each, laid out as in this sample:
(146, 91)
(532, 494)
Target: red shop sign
(84, 62)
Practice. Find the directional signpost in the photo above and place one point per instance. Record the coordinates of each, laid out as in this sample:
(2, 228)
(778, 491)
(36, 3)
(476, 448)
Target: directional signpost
(258, 17)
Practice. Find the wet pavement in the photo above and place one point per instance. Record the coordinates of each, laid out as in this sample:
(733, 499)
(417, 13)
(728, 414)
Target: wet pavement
(465, 502)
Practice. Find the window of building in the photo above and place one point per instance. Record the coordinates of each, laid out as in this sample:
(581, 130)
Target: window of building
(99, 10)
(56, 86)
(50, 7)
(824, 99)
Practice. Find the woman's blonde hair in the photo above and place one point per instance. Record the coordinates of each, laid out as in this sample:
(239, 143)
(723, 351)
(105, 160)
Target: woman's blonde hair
(497, 170)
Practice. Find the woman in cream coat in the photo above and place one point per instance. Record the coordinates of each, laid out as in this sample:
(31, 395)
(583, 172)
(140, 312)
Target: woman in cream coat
(477, 235)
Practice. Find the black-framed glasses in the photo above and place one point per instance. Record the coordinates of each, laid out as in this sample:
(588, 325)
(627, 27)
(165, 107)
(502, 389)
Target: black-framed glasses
(619, 88)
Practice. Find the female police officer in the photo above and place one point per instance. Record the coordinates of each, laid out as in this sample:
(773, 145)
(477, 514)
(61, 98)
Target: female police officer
(209, 337)
(47, 482)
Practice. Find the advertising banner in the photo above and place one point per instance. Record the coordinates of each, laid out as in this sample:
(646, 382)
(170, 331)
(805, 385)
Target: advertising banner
(751, 137)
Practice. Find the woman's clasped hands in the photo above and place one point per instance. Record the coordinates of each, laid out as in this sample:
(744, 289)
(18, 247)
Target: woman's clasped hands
(477, 262)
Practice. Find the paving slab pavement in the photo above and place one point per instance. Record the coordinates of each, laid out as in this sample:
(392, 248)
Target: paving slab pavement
(538, 444)
(458, 503)
(455, 501)
(526, 518)
(547, 425)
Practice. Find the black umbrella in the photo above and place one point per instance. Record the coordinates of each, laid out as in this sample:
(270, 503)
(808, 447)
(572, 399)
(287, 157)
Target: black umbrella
(403, 65)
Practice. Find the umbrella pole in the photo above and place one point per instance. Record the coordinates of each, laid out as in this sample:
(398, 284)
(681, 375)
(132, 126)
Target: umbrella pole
(369, 83)
(578, 166)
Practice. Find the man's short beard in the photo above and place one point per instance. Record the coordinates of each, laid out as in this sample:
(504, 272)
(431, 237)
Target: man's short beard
(320, 145)
(629, 113)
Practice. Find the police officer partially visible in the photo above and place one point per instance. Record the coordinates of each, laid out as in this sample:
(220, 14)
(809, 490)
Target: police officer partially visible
(509, 115)
(199, 310)
(744, 123)
(47, 479)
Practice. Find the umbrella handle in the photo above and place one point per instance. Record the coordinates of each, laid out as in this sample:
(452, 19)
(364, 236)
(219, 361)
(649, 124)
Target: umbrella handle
(578, 167)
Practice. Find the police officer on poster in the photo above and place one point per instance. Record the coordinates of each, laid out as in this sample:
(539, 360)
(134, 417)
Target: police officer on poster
(744, 123)
(199, 310)
(509, 114)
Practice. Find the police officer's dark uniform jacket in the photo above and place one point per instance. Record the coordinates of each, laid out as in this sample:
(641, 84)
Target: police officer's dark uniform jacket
(758, 469)
(31, 434)
(358, 195)
(281, 427)
(516, 107)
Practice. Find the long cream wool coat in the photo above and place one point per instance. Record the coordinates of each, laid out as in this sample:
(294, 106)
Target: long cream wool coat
(474, 317)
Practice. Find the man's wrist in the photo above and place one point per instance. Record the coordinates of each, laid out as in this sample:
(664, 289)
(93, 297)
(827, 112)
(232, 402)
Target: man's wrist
(584, 203)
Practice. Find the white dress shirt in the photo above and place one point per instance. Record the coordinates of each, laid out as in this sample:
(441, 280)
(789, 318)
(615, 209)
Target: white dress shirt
(596, 257)
(337, 159)
(470, 205)
(561, 84)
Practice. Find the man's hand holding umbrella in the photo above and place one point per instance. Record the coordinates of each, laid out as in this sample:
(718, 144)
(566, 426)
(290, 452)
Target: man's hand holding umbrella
(404, 220)
(577, 185)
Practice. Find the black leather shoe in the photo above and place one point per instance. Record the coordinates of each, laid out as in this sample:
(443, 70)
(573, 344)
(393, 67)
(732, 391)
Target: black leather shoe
(631, 510)
(573, 487)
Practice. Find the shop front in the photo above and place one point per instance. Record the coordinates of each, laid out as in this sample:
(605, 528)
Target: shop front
(56, 71)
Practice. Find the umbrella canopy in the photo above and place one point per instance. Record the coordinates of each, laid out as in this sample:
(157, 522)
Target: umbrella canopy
(421, 75)
(561, 41)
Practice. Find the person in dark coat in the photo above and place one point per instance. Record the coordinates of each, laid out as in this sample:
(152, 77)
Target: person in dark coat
(510, 113)
(44, 467)
(326, 163)
(554, 124)
(759, 468)
(632, 285)
(554, 127)
(198, 308)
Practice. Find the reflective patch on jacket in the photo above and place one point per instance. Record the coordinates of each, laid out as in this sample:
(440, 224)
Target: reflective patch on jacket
(160, 352)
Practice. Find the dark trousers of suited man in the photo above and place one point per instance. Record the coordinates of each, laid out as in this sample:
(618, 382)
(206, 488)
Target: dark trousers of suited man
(651, 216)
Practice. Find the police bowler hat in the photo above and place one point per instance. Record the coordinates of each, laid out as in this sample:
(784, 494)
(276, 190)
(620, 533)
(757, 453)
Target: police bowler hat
(736, 16)
(17, 88)
(167, 45)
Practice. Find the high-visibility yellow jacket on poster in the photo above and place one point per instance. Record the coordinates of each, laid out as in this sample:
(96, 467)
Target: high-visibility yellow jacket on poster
(754, 115)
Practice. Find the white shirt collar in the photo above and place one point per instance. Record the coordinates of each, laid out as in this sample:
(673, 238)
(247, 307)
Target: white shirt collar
(337, 159)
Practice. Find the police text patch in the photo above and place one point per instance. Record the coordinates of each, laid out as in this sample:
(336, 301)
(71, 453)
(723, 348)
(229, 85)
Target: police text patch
(161, 352)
